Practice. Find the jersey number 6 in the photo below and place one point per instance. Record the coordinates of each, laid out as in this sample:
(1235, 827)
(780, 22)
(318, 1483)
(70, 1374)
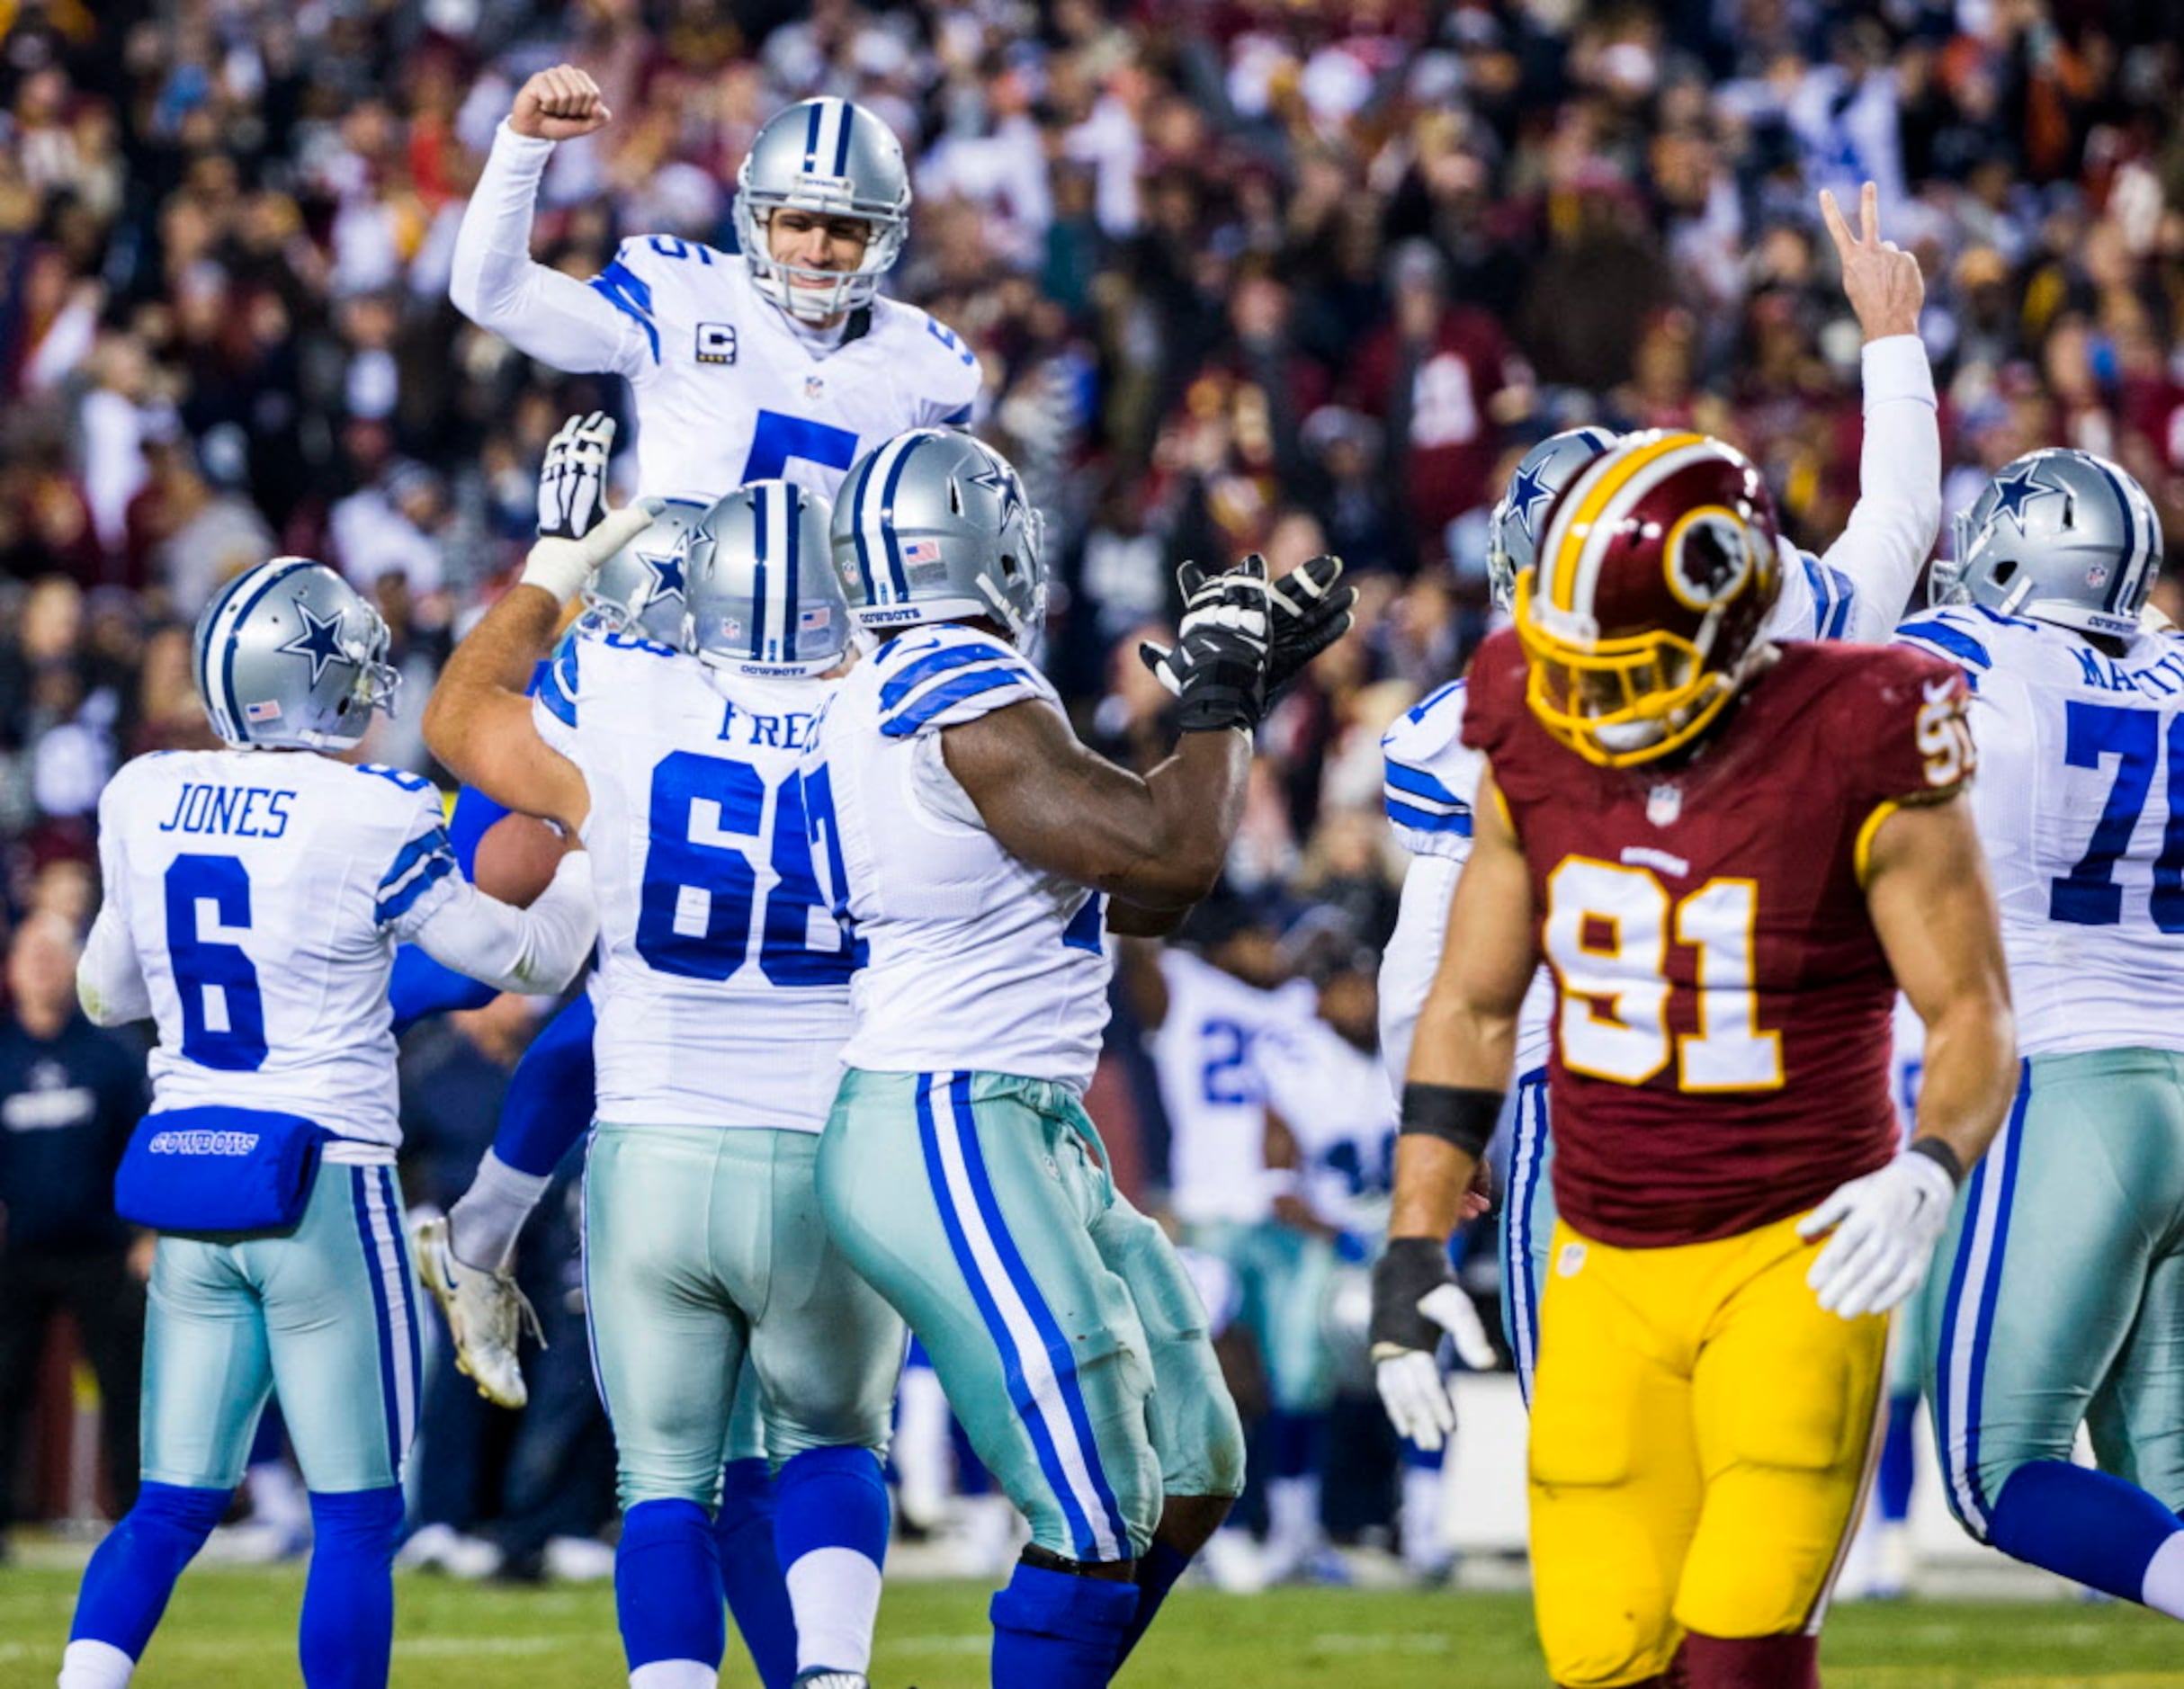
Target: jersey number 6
(223, 1014)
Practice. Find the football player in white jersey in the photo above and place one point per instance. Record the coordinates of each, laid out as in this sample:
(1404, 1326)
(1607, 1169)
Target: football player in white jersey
(2058, 1296)
(722, 994)
(973, 844)
(1856, 591)
(254, 898)
(782, 361)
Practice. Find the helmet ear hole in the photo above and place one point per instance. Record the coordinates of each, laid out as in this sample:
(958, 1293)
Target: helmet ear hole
(2004, 572)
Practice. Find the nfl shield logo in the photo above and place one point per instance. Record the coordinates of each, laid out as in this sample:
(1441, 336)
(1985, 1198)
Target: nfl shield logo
(1663, 804)
(813, 387)
(2097, 576)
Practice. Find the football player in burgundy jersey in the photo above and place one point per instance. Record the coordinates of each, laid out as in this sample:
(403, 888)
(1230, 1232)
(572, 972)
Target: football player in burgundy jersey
(1730, 854)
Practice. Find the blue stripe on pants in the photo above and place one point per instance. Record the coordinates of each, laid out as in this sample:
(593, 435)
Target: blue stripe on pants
(1527, 1156)
(1977, 1274)
(360, 1180)
(1046, 1433)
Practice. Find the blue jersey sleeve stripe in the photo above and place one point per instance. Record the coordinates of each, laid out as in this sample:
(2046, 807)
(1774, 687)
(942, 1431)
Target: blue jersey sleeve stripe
(1402, 777)
(556, 683)
(922, 710)
(1428, 821)
(429, 874)
(1950, 642)
(1846, 596)
(627, 293)
(930, 666)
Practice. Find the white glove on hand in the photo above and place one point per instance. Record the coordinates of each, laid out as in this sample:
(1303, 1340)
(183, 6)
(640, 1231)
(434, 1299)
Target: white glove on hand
(1420, 1404)
(1886, 1226)
(576, 532)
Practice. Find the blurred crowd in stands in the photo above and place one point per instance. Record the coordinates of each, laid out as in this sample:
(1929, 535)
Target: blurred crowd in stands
(1285, 275)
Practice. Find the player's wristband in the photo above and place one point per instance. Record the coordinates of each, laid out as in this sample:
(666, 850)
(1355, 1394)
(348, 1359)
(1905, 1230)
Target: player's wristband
(1939, 1153)
(1459, 1114)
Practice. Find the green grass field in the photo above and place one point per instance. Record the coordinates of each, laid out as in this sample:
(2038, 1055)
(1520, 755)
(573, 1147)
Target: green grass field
(232, 1629)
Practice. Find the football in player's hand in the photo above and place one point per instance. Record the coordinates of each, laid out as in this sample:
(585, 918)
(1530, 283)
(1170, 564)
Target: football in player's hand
(517, 859)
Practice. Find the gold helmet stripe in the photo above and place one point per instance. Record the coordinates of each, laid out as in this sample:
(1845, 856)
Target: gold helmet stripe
(1571, 527)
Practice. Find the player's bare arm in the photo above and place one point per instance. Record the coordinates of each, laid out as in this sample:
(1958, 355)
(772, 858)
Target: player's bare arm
(478, 720)
(1466, 1036)
(1157, 842)
(1461, 1062)
(1933, 909)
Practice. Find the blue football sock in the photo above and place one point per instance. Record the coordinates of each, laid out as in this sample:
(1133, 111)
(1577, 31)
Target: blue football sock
(1893, 1483)
(750, 1571)
(548, 1108)
(2086, 1525)
(1058, 1630)
(347, 1634)
(1158, 1567)
(1418, 1460)
(1295, 1442)
(667, 1586)
(830, 1535)
(132, 1572)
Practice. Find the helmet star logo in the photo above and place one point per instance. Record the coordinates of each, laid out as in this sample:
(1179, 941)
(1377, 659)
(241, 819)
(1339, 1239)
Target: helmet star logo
(319, 640)
(667, 570)
(1529, 493)
(2017, 488)
(1003, 486)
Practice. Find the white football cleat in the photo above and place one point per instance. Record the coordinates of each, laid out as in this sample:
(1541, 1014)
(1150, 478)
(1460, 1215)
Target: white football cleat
(486, 1313)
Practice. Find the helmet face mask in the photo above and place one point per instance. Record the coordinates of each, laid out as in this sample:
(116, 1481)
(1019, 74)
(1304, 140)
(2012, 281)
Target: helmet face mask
(2057, 536)
(289, 657)
(831, 158)
(935, 526)
(1640, 620)
(760, 593)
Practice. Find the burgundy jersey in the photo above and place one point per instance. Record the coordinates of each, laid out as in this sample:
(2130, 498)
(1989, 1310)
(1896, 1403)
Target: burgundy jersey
(1722, 1000)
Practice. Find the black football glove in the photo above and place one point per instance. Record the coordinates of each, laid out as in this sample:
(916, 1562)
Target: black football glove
(1311, 613)
(1217, 667)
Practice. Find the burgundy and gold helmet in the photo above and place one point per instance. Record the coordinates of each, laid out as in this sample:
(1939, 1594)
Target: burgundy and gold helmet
(1657, 564)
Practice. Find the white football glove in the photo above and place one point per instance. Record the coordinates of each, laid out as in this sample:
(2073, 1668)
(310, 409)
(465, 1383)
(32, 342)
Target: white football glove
(1886, 1226)
(1421, 1404)
(577, 531)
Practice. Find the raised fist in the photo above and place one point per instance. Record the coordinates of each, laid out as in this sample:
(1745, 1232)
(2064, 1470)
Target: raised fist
(557, 105)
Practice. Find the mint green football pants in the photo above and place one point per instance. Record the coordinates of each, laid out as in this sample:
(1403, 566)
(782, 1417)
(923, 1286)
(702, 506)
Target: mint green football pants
(2057, 1294)
(1065, 1331)
(707, 1263)
(326, 1313)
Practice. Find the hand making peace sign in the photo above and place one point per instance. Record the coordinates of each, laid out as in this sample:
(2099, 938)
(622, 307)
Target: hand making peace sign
(1882, 281)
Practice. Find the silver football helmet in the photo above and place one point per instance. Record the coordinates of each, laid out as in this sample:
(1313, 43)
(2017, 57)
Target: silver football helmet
(762, 596)
(934, 526)
(640, 589)
(2060, 536)
(834, 158)
(288, 655)
(1520, 515)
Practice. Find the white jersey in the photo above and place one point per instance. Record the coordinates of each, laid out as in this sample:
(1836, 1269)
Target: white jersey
(2080, 802)
(973, 961)
(722, 985)
(1327, 1092)
(1204, 1057)
(1856, 591)
(263, 894)
(727, 389)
